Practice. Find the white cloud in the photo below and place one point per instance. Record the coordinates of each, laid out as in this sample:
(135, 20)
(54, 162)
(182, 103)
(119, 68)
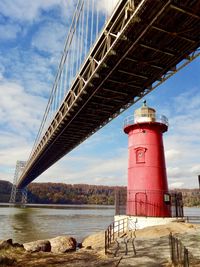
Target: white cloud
(30, 10)
(176, 185)
(106, 6)
(21, 114)
(35, 72)
(196, 169)
(50, 38)
(172, 154)
(88, 169)
(174, 172)
(17, 108)
(8, 32)
(182, 142)
(188, 101)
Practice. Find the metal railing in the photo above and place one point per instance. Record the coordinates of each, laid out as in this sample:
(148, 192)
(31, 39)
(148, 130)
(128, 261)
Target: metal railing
(124, 199)
(179, 253)
(113, 231)
(133, 119)
(192, 219)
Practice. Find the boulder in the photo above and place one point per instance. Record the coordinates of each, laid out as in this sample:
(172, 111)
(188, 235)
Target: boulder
(5, 261)
(39, 245)
(79, 245)
(5, 244)
(17, 245)
(62, 244)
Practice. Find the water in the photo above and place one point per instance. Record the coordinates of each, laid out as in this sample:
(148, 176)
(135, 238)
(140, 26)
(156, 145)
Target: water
(33, 223)
(192, 211)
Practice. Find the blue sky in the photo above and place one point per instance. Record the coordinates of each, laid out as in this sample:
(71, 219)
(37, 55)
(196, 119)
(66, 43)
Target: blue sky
(32, 35)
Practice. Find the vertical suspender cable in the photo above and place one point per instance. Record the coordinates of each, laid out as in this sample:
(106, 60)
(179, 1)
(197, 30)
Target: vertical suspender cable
(79, 38)
(54, 100)
(97, 21)
(73, 58)
(87, 21)
(65, 76)
(60, 88)
(84, 27)
(82, 35)
(76, 45)
(92, 24)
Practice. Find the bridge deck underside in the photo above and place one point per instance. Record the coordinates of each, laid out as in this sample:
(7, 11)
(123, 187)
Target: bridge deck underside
(161, 35)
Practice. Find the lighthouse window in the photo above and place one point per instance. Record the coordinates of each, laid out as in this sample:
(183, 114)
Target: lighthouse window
(140, 155)
(167, 198)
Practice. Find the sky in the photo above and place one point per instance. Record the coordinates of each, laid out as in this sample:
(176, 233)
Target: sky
(32, 36)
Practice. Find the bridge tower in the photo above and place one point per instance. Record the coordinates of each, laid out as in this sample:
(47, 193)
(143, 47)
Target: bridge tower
(147, 189)
(23, 192)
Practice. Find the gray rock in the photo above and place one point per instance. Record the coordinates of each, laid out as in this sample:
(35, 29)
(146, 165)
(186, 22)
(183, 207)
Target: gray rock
(4, 244)
(79, 245)
(17, 245)
(5, 261)
(39, 245)
(62, 244)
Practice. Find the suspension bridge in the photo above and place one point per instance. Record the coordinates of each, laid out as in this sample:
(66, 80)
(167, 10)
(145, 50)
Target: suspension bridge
(108, 64)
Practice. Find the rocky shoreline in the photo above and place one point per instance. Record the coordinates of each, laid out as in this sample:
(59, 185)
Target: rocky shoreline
(65, 251)
(58, 251)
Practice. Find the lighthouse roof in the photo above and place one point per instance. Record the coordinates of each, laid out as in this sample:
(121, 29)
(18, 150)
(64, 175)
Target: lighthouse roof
(144, 113)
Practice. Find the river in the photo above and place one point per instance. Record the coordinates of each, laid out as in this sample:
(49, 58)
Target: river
(33, 223)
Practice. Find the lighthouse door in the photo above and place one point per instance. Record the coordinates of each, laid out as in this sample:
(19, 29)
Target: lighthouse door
(141, 204)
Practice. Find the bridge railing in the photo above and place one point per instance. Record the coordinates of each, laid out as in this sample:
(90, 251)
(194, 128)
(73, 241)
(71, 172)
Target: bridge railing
(88, 20)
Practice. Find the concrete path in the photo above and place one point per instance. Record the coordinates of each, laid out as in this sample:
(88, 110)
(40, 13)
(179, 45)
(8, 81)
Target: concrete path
(149, 253)
(155, 252)
(191, 241)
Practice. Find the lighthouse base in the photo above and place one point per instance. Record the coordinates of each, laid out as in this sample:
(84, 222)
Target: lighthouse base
(139, 222)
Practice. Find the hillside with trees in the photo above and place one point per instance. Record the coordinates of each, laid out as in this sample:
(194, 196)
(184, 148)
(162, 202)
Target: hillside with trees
(191, 197)
(59, 193)
(5, 190)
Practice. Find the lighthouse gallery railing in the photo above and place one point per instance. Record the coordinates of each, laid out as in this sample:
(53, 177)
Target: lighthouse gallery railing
(133, 119)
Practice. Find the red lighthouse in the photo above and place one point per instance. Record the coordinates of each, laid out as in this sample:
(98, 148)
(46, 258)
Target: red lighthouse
(147, 190)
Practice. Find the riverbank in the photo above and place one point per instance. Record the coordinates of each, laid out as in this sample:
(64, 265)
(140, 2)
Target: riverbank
(151, 243)
(61, 206)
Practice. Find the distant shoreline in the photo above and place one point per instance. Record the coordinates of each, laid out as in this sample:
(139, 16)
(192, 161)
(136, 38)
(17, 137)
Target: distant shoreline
(69, 205)
(82, 206)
